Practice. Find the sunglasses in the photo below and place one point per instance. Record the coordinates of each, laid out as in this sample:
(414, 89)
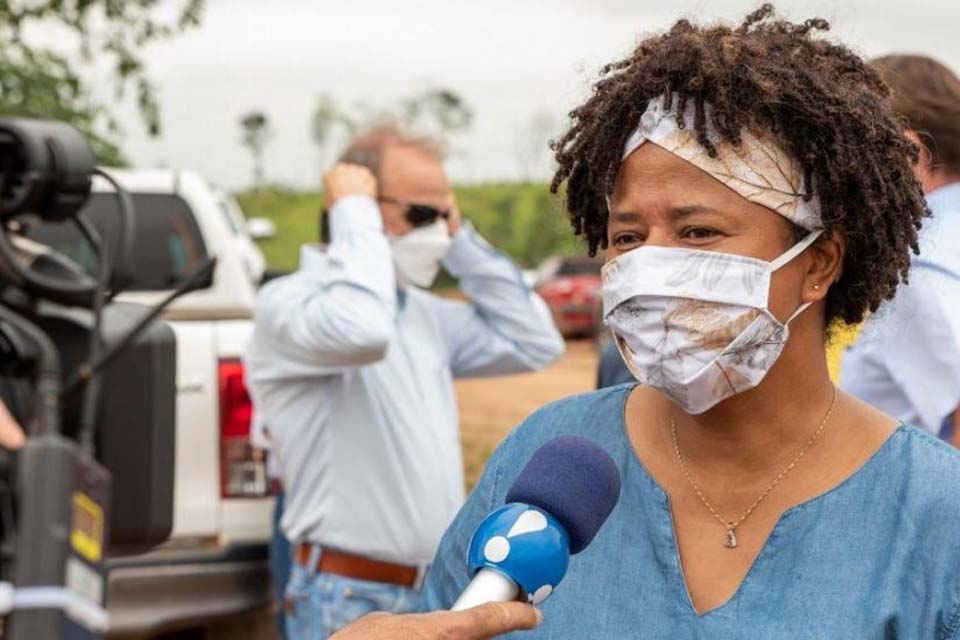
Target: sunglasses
(418, 215)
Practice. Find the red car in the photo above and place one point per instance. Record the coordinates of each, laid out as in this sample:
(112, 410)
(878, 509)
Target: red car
(571, 288)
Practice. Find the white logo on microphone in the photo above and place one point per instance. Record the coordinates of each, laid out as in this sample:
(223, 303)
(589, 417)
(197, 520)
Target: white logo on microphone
(497, 548)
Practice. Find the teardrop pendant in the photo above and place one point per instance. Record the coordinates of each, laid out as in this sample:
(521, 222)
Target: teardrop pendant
(731, 542)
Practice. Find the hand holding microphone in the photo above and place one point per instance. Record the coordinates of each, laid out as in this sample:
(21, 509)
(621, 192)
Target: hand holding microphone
(479, 623)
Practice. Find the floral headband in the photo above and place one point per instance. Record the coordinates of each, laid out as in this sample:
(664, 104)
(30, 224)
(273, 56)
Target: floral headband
(758, 169)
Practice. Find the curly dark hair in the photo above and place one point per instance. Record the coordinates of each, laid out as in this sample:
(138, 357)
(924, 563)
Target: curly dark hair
(820, 101)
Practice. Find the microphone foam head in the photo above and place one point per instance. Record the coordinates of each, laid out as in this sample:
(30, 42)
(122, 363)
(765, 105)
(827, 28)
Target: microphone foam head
(575, 481)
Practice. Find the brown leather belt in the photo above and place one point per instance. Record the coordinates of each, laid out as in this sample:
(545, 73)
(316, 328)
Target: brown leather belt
(358, 567)
(276, 486)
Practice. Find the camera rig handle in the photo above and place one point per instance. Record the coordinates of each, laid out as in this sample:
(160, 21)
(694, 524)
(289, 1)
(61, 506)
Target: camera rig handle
(46, 171)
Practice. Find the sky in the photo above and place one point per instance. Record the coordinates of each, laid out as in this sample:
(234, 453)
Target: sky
(515, 62)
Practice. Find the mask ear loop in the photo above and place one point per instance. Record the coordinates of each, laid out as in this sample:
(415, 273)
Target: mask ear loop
(796, 313)
(789, 255)
(795, 250)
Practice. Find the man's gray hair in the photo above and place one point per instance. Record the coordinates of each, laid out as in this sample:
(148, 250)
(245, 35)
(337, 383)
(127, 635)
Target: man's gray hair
(368, 148)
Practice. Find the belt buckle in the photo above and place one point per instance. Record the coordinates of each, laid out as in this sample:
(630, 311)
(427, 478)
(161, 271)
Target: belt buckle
(422, 570)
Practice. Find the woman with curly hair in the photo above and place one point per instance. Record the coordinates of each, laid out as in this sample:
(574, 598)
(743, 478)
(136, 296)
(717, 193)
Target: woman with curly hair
(750, 186)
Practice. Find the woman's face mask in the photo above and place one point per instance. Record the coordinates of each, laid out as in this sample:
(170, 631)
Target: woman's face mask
(696, 324)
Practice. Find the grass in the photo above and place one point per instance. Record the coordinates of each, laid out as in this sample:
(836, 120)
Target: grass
(296, 215)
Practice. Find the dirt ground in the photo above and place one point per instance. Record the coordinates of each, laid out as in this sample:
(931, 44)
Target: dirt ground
(491, 407)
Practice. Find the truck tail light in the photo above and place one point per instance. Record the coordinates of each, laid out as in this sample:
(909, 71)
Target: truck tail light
(243, 472)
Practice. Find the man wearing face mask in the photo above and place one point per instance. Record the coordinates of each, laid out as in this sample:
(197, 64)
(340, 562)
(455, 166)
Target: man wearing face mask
(352, 366)
(907, 359)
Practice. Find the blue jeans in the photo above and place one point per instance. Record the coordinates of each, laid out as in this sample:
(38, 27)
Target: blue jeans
(279, 563)
(319, 604)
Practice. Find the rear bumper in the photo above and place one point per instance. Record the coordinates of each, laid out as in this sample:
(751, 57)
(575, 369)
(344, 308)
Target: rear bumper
(170, 589)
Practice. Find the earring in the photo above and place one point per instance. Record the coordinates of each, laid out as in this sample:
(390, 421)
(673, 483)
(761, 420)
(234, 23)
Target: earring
(816, 287)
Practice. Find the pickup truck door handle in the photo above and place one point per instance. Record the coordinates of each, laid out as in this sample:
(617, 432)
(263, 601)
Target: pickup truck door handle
(191, 384)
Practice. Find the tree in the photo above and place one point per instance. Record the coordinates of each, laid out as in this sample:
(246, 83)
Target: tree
(256, 134)
(328, 118)
(532, 145)
(436, 111)
(437, 108)
(49, 90)
(38, 81)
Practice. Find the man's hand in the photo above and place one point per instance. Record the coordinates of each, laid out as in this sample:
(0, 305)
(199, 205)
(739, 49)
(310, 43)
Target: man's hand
(480, 623)
(348, 180)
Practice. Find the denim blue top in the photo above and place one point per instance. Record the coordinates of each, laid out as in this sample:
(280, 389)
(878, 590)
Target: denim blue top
(875, 557)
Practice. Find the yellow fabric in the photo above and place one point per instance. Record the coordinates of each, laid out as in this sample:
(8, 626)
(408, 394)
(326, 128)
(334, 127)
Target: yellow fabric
(843, 336)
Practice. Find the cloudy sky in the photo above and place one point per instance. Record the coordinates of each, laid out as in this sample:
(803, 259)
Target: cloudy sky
(513, 61)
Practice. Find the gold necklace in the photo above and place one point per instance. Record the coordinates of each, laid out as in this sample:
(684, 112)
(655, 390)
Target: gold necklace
(730, 541)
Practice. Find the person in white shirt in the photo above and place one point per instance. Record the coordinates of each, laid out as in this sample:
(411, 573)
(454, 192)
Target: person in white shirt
(906, 361)
(352, 365)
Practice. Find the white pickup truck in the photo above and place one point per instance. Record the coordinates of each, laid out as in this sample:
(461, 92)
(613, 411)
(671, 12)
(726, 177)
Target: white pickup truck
(214, 568)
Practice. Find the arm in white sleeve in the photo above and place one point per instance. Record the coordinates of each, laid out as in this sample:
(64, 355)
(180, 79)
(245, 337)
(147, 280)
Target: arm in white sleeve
(337, 310)
(506, 327)
(922, 349)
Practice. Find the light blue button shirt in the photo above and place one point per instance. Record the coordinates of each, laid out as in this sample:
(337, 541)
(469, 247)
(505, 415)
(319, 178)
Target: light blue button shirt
(876, 557)
(906, 361)
(355, 383)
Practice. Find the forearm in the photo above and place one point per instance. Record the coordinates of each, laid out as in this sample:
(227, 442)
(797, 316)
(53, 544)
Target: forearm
(509, 319)
(339, 308)
(480, 623)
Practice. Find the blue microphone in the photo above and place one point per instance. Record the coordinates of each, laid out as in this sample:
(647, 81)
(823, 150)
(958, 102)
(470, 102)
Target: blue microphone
(554, 509)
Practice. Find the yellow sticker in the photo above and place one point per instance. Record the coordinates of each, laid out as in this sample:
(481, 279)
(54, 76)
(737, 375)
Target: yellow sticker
(86, 535)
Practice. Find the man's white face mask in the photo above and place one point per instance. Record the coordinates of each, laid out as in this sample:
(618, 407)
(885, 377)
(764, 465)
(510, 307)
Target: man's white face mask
(417, 254)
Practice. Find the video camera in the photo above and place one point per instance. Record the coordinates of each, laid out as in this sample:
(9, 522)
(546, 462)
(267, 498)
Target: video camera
(91, 380)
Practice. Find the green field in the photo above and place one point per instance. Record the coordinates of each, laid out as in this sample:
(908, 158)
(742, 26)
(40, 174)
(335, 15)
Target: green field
(523, 220)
